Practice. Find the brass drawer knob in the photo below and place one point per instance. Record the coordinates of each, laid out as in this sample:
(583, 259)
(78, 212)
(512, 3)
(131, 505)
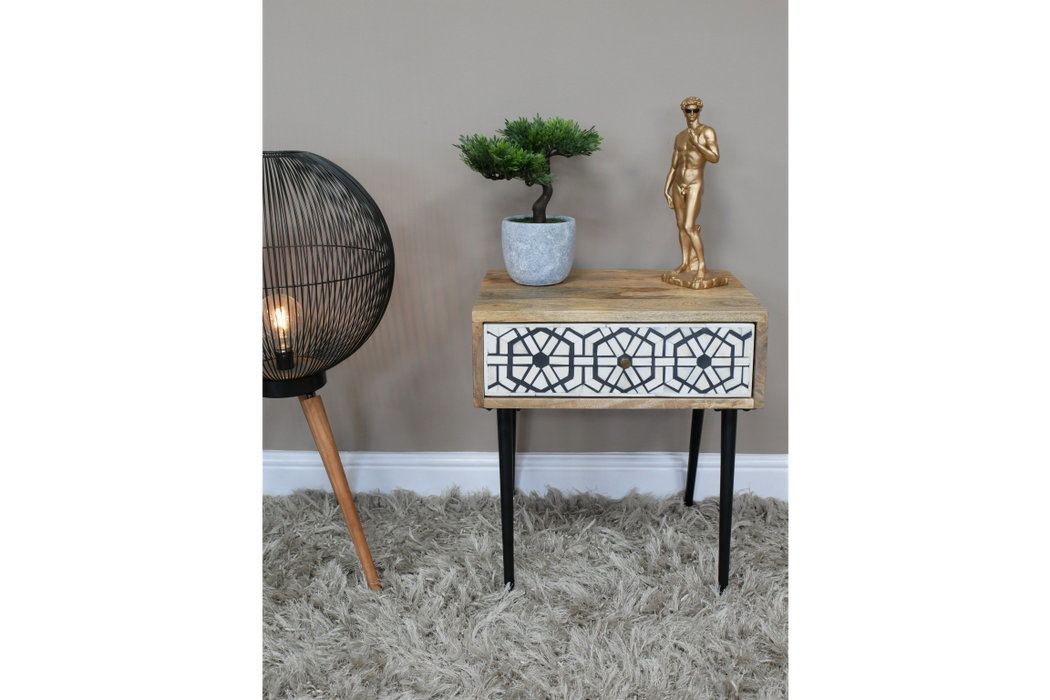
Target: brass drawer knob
(624, 361)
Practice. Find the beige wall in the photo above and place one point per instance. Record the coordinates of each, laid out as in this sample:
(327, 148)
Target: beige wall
(385, 88)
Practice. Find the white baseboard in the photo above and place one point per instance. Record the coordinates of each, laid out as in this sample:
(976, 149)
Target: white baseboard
(612, 474)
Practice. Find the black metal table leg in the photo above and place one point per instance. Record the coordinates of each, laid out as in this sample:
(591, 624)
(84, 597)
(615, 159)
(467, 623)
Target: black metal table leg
(725, 495)
(695, 430)
(505, 424)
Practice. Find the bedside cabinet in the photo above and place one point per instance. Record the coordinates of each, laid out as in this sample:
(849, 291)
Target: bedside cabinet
(619, 339)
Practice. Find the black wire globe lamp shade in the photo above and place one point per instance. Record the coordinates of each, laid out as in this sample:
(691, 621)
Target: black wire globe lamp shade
(328, 270)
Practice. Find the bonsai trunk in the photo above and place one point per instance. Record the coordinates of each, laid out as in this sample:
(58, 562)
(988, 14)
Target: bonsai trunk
(539, 209)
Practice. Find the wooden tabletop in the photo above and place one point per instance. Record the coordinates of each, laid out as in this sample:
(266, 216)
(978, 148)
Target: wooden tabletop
(613, 295)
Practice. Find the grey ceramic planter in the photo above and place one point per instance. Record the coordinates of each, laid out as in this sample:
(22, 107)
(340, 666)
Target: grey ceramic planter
(538, 254)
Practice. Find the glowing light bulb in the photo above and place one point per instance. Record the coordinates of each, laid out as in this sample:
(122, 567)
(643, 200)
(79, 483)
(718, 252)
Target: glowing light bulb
(281, 314)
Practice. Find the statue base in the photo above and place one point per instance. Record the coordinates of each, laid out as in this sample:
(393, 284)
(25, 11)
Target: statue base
(692, 280)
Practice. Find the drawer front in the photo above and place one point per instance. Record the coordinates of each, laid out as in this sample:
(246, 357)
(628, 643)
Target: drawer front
(619, 359)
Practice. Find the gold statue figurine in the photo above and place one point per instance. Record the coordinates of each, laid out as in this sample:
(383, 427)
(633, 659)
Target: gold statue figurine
(693, 148)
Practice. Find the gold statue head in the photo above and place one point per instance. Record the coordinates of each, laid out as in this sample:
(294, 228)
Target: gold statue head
(691, 107)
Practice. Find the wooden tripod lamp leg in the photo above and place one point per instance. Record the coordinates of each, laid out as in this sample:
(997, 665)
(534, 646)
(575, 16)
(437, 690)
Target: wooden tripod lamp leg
(322, 432)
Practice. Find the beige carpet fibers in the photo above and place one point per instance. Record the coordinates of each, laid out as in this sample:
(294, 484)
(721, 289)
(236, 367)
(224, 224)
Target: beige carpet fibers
(615, 599)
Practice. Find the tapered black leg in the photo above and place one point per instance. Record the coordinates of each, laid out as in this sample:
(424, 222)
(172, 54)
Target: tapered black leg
(725, 495)
(695, 430)
(505, 423)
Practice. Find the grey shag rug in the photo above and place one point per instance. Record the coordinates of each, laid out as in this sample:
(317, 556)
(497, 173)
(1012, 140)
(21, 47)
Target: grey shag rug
(614, 599)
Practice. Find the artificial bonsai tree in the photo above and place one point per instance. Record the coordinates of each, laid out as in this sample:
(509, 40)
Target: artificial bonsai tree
(524, 151)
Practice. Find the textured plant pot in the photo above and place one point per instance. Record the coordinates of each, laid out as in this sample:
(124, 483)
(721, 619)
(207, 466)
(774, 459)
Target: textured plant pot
(538, 254)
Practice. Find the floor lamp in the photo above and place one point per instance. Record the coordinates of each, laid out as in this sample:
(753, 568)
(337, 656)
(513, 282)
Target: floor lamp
(328, 270)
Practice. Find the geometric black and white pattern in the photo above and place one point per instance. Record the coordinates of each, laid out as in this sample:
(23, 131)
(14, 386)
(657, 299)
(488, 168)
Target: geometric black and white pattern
(581, 359)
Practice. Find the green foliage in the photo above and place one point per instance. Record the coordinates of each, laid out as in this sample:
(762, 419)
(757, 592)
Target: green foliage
(552, 137)
(499, 159)
(525, 150)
